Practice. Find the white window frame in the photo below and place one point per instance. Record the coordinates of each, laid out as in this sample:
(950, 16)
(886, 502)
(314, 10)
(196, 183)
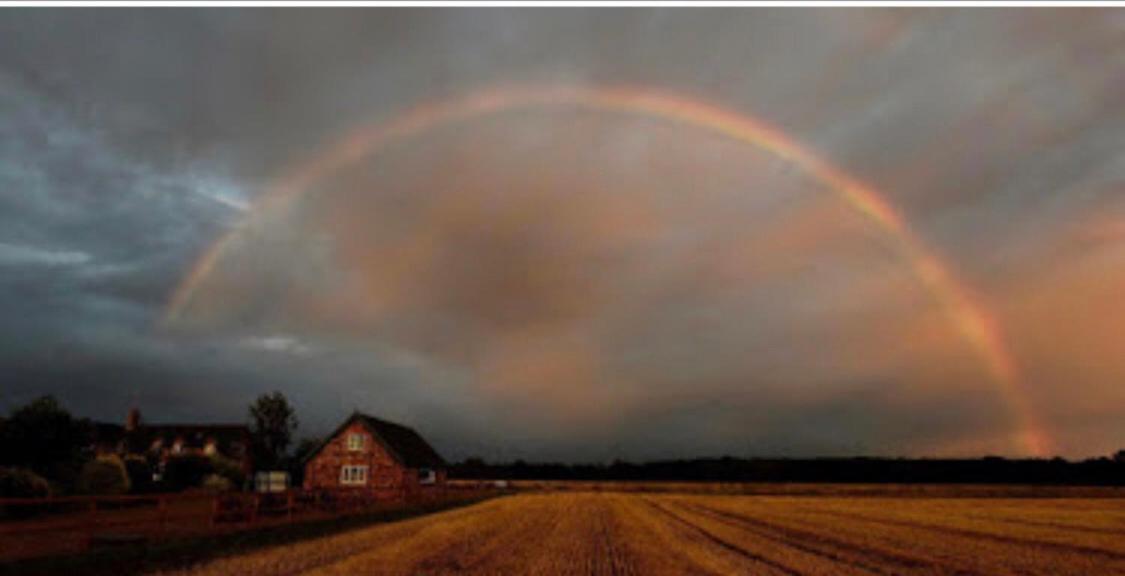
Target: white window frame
(356, 442)
(353, 475)
(427, 476)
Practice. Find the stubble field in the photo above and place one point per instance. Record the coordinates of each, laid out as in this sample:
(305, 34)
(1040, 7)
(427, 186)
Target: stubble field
(559, 533)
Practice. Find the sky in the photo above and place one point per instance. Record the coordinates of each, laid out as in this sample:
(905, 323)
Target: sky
(570, 282)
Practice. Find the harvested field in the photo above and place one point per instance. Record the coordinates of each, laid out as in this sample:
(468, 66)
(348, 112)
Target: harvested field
(572, 532)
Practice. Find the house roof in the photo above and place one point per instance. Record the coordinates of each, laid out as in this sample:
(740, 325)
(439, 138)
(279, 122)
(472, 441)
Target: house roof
(195, 435)
(402, 442)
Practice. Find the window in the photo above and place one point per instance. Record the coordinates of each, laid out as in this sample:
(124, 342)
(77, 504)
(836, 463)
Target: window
(353, 475)
(355, 442)
(427, 476)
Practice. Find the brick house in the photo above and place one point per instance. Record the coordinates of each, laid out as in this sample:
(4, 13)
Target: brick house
(374, 456)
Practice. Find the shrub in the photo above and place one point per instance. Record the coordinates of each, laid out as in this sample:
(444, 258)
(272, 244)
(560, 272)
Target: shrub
(187, 471)
(104, 475)
(217, 483)
(229, 469)
(22, 483)
(140, 474)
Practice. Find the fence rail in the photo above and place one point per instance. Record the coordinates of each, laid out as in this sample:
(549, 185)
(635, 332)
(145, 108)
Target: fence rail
(31, 527)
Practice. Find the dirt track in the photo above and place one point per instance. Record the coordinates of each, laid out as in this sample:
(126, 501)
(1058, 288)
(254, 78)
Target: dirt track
(646, 534)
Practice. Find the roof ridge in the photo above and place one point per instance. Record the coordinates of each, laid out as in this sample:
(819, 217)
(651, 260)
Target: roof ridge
(384, 421)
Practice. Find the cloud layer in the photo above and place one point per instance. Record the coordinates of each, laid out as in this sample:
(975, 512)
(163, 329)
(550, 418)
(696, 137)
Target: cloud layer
(561, 283)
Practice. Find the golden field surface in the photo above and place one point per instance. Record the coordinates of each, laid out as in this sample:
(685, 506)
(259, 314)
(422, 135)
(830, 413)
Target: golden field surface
(579, 532)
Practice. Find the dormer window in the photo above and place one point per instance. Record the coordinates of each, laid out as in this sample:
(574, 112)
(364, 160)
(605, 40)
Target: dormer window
(355, 442)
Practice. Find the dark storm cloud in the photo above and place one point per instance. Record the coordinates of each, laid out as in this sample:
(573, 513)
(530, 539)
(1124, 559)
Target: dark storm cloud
(666, 324)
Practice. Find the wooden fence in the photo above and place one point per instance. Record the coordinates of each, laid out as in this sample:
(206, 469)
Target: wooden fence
(49, 526)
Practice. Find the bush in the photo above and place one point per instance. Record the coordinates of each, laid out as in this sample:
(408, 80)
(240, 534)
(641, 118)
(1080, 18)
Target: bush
(229, 469)
(140, 474)
(22, 483)
(104, 475)
(188, 471)
(217, 483)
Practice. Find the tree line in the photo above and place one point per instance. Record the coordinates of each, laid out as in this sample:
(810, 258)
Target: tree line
(1103, 471)
(45, 450)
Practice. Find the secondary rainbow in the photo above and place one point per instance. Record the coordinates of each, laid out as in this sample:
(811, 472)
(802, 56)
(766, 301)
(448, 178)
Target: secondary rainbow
(968, 317)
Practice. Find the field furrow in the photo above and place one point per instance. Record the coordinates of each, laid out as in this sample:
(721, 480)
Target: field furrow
(840, 555)
(754, 557)
(939, 540)
(666, 534)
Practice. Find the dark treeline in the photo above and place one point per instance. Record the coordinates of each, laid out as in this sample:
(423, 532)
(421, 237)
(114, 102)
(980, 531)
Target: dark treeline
(989, 470)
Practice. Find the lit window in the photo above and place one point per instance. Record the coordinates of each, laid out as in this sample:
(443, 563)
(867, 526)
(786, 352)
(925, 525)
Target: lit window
(353, 475)
(355, 442)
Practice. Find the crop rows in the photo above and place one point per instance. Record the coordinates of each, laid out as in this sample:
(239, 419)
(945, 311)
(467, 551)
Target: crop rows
(606, 533)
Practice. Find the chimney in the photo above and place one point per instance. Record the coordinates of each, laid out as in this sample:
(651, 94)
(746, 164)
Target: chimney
(133, 420)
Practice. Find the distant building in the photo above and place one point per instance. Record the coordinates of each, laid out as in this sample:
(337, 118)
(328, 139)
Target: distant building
(369, 454)
(159, 442)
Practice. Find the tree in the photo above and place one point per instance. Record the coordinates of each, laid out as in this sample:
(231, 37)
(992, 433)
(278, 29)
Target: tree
(44, 437)
(296, 465)
(273, 421)
(1119, 456)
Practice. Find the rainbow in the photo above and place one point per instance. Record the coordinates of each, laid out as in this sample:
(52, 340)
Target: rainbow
(967, 316)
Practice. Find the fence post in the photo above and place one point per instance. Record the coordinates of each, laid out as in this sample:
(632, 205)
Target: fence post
(289, 501)
(92, 525)
(162, 514)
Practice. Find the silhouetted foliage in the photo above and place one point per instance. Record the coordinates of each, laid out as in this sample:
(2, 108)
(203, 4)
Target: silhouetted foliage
(989, 470)
(140, 474)
(296, 462)
(104, 475)
(22, 483)
(44, 437)
(272, 422)
(217, 483)
(186, 471)
(229, 469)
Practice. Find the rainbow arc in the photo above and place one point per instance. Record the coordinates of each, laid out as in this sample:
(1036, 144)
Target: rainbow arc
(969, 318)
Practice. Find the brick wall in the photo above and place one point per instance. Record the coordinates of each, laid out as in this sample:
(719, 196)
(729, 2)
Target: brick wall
(383, 472)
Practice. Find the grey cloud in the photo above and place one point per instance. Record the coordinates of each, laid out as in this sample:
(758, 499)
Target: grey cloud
(673, 282)
(11, 254)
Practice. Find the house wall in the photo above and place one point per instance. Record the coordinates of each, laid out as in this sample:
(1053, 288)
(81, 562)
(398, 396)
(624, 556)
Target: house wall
(383, 472)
